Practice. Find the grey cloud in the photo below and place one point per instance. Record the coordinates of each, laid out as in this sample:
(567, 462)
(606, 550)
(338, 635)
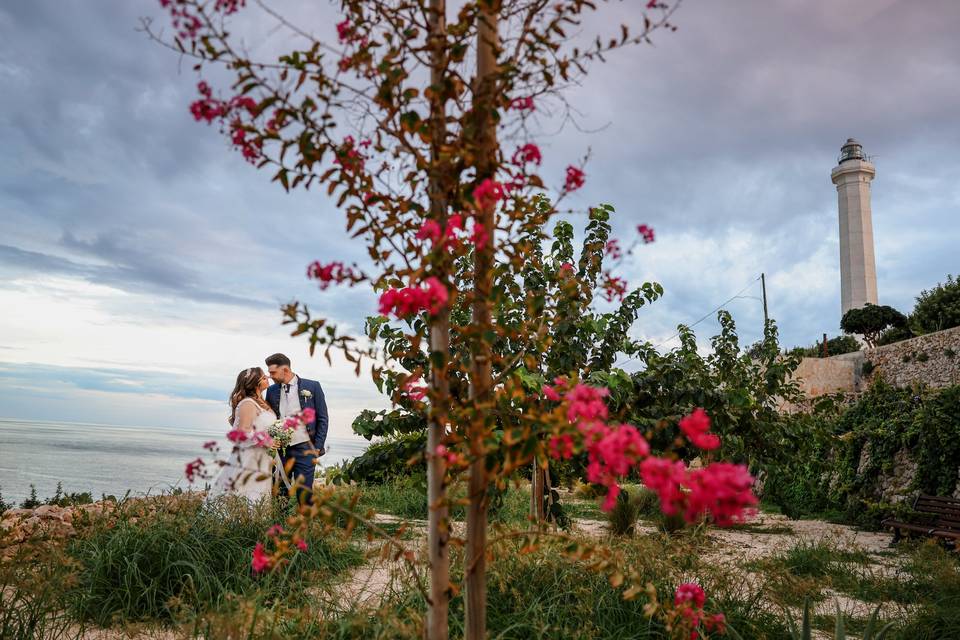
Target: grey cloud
(727, 128)
(134, 277)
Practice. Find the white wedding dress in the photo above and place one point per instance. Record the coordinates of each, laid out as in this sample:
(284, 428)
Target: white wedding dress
(248, 472)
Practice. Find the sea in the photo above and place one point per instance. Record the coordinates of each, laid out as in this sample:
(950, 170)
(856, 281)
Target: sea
(115, 460)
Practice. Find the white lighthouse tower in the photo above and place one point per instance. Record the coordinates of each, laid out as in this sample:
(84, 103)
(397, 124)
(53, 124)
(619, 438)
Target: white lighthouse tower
(858, 270)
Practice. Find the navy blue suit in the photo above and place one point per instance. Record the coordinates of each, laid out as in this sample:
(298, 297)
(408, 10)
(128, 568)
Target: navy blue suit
(304, 455)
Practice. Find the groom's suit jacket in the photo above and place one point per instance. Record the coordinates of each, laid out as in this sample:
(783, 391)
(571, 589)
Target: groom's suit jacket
(316, 429)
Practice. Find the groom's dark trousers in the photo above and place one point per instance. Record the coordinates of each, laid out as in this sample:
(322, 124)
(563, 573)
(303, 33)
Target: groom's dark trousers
(304, 457)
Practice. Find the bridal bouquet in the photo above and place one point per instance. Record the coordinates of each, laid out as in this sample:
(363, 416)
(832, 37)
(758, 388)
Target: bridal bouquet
(281, 432)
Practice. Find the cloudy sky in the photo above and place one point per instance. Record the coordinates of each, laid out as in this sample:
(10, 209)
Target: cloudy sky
(142, 263)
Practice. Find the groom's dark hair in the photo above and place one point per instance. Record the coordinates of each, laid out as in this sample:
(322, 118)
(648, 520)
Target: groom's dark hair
(278, 359)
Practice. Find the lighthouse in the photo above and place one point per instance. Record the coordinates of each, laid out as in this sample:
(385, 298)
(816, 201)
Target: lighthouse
(858, 269)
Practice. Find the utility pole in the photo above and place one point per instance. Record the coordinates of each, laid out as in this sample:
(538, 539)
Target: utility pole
(766, 319)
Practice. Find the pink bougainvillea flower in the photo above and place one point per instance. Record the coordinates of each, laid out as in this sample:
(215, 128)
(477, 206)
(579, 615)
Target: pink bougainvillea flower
(454, 224)
(403, 303)
(451, 457)
(690, 593)
(229, 6)
(522, 104)
(193, 469)
(344, 31)
(610, 501)
(430, 230)
(479, 237)
(414, 389)
(307, 415)
(302, 545)
(695, 426)
(646, 232)
(261, 561)
(348, 155)
(244, 102)
(262, 439)
(291, 423)
(210, 445)
(528, 153)
(574, 180)
(488, 193)
(621, 448)
(332, 273)
(586, 403)
(236, 435)
(614, 287)
(717, 622)
(689, 599)
(551, 393)
(612, 249)
(723, 490)
(436, 296)
(561, 447)
(664, 477)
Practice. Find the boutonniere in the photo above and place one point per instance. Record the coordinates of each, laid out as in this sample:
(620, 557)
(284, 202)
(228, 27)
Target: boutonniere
(306, 394)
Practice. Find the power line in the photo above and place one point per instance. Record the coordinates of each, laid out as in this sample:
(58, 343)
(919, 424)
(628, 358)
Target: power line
(705, 316)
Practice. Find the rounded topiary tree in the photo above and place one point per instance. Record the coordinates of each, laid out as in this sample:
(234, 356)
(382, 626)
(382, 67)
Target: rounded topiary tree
(872, 320)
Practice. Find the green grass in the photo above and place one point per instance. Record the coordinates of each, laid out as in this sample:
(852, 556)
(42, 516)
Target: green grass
(406, 497)
(170, 564)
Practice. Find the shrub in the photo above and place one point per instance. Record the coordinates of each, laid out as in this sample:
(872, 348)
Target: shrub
(394, 456)
(867, 368)
(894, 334)
(61, 499)
(922, 356)
(836, 346)
(937, 308)
(32, 502)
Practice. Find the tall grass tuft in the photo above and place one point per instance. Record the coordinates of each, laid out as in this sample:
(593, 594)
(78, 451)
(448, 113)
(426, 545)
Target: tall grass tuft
(623, 516)
(179, 560)
(34, 580)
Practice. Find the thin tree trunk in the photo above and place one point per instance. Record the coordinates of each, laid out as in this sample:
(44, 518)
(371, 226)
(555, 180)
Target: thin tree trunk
(438, 534)
(536, 493)
(482, 374)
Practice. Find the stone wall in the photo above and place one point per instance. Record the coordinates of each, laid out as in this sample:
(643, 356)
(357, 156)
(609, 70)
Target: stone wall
(932, 360)
(820, 376)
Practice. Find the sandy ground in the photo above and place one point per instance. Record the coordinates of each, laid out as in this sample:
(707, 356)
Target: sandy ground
(727, 546)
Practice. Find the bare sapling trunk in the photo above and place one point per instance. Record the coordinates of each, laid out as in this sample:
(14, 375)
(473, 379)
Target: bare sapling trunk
(482, 374)
(438, 532)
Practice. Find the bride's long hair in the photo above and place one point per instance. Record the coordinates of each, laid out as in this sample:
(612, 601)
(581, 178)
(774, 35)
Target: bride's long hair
(248, 383)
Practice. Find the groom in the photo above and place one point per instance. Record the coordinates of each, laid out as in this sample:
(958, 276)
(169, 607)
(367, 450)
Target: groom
(288, 396)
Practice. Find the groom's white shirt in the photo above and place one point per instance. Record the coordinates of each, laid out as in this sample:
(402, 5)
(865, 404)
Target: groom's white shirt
(289, 406)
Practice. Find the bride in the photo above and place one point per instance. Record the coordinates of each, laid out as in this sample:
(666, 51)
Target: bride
(248, 470)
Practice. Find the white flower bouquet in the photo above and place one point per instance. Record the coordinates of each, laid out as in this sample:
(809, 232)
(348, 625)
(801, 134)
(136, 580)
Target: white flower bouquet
(281, 432)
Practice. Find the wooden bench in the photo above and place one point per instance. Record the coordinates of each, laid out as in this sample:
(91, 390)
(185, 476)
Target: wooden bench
(942, 517)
